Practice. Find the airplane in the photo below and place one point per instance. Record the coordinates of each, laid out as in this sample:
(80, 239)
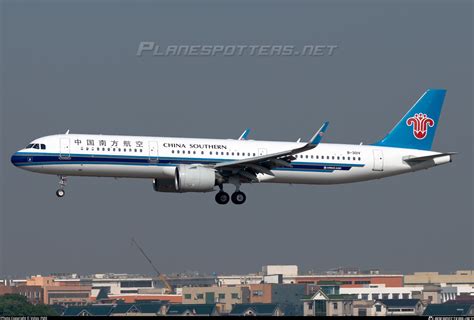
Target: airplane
(200, 165)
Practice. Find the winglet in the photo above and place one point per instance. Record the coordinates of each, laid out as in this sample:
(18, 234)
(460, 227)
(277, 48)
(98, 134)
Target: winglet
(318, 136)
(244, 134)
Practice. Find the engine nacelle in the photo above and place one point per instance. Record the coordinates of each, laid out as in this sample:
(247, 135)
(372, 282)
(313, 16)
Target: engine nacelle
(164, 185)
(194, 179)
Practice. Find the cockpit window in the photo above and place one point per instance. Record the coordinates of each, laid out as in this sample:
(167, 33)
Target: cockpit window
(36, 146)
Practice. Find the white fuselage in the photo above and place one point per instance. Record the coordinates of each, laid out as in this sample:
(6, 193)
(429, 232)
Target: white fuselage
(157, 158)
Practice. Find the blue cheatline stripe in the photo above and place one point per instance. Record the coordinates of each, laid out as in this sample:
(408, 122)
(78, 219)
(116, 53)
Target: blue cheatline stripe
(35, 159)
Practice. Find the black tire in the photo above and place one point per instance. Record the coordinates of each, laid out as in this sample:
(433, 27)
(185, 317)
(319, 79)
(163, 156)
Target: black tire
(60, 193)
(222, 197)
(238, 197)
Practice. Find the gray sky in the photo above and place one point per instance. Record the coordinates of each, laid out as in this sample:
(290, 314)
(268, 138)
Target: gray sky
(73, 65)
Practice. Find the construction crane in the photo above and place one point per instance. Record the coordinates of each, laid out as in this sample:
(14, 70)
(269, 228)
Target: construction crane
(169, 288)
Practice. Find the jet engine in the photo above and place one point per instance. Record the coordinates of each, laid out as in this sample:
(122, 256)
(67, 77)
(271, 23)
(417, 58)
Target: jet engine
(191, 178)
(164, 185)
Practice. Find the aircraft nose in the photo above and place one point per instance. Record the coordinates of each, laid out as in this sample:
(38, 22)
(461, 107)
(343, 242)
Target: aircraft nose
(15, 158)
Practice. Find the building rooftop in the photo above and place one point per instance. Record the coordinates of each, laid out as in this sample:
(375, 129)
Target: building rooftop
(448, 310)
(260, 309)
(93, 310)
(196, 309)
(399, 303)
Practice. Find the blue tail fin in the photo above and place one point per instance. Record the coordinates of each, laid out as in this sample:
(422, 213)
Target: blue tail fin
(417, 128)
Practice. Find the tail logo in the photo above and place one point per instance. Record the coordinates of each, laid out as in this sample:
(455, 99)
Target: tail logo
(420, 123)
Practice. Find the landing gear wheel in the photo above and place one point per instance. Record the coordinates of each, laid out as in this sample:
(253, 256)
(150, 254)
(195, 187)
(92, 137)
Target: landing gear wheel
(222, 197)
(62, 184)
(238, 197)
(60, 193)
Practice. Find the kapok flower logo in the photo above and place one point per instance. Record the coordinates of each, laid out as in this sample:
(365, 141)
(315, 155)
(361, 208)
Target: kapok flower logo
(420, 123)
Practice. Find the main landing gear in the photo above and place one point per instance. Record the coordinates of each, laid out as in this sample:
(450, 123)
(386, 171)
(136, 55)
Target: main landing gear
(238, 197)
(62, 184)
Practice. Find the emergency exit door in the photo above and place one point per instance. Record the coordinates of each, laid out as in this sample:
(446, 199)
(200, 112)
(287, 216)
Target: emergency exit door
(378, 160)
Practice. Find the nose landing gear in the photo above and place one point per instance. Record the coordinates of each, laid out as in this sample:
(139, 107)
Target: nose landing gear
(62, 184)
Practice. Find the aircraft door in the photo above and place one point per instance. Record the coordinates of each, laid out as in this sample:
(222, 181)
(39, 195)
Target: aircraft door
(64, 149)
(378, 160)
(153, 148)
(262, 152)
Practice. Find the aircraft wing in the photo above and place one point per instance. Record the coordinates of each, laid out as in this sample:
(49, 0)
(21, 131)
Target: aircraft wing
(249, 167)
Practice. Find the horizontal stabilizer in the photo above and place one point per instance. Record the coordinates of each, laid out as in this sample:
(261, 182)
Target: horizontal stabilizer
(426, 158)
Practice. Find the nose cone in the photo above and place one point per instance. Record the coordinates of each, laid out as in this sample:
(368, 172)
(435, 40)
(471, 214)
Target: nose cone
(15, 159)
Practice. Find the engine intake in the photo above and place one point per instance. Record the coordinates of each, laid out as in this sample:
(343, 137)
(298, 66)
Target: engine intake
(190, 178)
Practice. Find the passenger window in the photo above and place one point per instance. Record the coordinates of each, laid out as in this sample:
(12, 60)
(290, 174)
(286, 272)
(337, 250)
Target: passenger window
(254, 154)
(194, 152)
(306, 156)
(238, 154)
(333, 157)
(202, 152)
(338, 158)
(359, 158)
(227, 153)
(317, 157)
(232, 153)
(210, 152)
